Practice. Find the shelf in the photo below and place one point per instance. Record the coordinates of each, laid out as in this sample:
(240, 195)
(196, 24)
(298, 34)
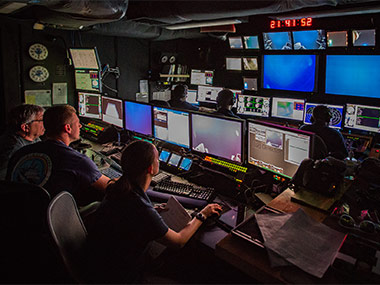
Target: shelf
(175, 75)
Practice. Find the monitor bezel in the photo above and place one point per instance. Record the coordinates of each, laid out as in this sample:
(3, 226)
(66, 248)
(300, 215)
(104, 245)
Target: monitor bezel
(284, 128)
(151, 116)
(242, 142)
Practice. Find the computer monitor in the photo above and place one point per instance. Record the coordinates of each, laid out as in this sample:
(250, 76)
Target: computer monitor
(138, 117)
(278, 41)
(174, 160)
(208, 94)
(192, 96)
(87, 79)
(221, 137)
(353, 75)
(365, 118)
(293, 72)
(164, 156)
(250, 83)
(314, 39)
(172, 126)
(186, 164)
(277, 148)
(201, 77)
(364, 38)
(112, 111)
(251, 105)
(84, 58)
(336, 113)
(233, 63)
(251, 42)
(235, 42)
(288, 108)
(250, 63)
(337, 39)
(89, 105)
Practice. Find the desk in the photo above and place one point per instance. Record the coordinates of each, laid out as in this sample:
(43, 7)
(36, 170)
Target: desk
(254, 260)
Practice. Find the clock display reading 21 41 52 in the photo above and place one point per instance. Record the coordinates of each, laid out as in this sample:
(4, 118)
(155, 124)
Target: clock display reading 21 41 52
(291, 23)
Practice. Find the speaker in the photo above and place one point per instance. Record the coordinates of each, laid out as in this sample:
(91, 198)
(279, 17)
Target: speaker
(168, 58)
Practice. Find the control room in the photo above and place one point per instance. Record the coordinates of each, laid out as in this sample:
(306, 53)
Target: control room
(188, 142)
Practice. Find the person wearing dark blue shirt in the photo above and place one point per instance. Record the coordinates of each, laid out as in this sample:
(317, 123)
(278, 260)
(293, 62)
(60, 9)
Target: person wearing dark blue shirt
(225, 100)
(332, 138)
(54, 165)
(178, 98)
(126, 222)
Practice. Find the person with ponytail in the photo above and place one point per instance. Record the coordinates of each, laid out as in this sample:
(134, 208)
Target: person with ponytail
(126, 222)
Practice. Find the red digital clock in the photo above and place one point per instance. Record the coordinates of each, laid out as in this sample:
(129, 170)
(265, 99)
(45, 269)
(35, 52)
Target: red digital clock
(291, 23)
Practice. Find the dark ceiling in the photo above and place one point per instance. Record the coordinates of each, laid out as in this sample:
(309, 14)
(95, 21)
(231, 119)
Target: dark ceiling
(150, 19)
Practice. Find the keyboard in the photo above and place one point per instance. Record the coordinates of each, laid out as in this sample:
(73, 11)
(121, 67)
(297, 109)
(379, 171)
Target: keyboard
(111, 173)
(186, 190)
(159, 177)
(116, 157)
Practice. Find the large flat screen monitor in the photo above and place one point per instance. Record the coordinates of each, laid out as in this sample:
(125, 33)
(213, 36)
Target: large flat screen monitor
(364, 38)
(354, 75)
(314, 39)
(278, 41)
(138, 117)
(172, 126)
(365, 118)
(201, 77)
(89, 105)
(335, 110)
(277, 148)
(221, 137)
(290, 72)
(112, 111)
(251, 105)
(288, 108)
(208, 94)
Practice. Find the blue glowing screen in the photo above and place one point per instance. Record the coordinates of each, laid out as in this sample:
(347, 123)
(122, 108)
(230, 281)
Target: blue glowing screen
(354, 75)
(335, 110)
(314, 39)
(278, 41)
(290, 72)
(138, 118)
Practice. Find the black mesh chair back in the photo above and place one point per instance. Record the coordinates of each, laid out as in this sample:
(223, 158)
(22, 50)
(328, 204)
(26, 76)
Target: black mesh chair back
(68, 232)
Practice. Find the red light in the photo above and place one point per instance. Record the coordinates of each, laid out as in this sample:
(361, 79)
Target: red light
(309, 22)
(377, 151)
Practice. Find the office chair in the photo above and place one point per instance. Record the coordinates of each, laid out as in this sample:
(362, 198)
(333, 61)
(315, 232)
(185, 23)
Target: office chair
(68, 232)
(27, 256)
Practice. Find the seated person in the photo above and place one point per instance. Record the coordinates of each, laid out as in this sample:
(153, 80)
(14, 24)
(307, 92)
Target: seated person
(225, 100)
(178, 98)
(126, 222)
(54, 165)
(332, 138)
(25, 127)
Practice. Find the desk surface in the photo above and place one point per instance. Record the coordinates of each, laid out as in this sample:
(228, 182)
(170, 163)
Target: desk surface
(254, 260)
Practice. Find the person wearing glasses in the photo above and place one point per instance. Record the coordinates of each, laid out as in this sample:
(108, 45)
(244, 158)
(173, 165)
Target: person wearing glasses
(54, 165)
(25, 126)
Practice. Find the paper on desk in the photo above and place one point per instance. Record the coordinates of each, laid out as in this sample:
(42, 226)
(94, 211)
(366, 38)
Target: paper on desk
(269, 224)
(176, 217)
(306, 243)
